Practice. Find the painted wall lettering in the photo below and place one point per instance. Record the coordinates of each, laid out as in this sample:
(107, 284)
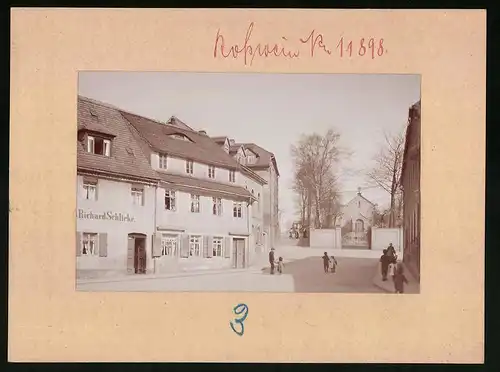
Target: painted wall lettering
(109, 215)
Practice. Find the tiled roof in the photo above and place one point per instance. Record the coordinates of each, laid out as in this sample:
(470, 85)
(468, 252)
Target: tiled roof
(200, 148)
(219, 140)
(264, 157)
(127, 158)
(210, 186)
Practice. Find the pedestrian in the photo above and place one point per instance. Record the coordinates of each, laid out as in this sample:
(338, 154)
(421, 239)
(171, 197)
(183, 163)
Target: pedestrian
(326, 262)
(281, 265)
(391, 250)
(333, 264)
(391, 270)
(271, 260)
(399, 279)
(385, 260)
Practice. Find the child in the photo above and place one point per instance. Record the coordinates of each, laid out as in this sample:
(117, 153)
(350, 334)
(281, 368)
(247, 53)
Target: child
(281, 265)
(392, 270)
(333, 264)
(399, 279)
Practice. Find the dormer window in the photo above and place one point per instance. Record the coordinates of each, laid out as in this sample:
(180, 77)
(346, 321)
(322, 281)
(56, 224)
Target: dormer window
(189, 166)
(98, 146)
(163, 161)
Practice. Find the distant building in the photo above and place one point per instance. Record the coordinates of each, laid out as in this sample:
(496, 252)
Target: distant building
(263, 163)
(357, 218)
(410, 179)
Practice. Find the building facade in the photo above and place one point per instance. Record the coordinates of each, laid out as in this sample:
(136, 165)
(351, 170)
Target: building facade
(161, 197)
(264, 164)
(410, 179)
(115, 195)
(357, 218)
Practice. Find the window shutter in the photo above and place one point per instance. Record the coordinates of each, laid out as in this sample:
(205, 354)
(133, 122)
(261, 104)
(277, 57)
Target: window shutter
(210, 245)
(185, 246)
(227, 247)
(78, 243)
(205, 246)
(157, 245)
(103, 245)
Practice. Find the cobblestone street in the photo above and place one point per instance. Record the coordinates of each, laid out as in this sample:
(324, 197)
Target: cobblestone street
(301, 275)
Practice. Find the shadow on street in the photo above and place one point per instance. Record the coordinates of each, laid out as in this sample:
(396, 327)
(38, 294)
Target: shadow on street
(353, 275)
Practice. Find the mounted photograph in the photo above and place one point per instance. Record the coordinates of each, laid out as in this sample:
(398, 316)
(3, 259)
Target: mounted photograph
(248, 182)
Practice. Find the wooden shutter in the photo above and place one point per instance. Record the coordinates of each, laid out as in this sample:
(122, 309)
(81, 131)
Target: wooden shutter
(227, 247)
(185, 246)
(210, 245)
(205, 246)
(103, 245)
(130, 254)
(78, 243)
(157, 245)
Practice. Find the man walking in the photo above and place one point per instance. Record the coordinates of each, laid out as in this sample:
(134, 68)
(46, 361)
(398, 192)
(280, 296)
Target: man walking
(326, 262)
(271, 260)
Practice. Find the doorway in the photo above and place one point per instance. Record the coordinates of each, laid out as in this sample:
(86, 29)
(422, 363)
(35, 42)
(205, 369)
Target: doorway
(136, 254)
(238, 253)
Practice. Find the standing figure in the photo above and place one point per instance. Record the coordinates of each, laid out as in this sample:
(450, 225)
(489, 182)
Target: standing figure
(399, 279)
(271, 260)
(385, 260)
(281, 265)
(326, 262)
(333, 264)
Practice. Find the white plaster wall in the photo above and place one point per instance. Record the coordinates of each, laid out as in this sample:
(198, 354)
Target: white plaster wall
(178, 166)
(203, 223)
(326, 238)
(381, 237)
(115, 197)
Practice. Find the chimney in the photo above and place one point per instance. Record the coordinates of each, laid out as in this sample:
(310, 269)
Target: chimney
(359, 190)
(231, 141)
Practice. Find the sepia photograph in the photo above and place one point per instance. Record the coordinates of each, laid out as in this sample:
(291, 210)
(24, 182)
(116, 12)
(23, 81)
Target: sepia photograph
(248, 182)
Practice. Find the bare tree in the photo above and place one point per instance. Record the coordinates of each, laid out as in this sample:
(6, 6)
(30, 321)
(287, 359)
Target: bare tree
(387, 171)
(315, 157)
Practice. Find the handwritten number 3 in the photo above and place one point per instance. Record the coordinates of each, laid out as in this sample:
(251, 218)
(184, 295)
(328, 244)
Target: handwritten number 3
(239, 309)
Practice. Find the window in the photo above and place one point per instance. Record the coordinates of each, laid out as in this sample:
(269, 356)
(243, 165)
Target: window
(211, 171)
(90, 190)
(217, 247)
(89, 244)
(189, 166)
(169, 245)
(217, 206)
(99, 146)
(237, 210)
(195, 203)
(195, 246)
(137, 196)
(170, 200)
(258, 201)
(163, 161)
(232, 176)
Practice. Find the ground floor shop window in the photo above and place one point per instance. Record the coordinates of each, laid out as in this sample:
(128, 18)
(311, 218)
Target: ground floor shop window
(195, 246)
(89, 244)
(217, 247)
(169, 245)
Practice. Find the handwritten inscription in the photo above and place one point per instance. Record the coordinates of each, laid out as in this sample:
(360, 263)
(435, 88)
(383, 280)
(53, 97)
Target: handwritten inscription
(313, 44)
(241, 310)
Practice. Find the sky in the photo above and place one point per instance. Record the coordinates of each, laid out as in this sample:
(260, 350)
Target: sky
(272, 111)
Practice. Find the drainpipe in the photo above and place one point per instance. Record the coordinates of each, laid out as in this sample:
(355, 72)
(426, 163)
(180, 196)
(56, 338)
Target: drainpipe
(155, 260)
(249, 226)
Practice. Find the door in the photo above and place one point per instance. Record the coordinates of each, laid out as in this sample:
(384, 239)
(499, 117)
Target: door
(136, 254)
(239, 253)
(140, 255)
